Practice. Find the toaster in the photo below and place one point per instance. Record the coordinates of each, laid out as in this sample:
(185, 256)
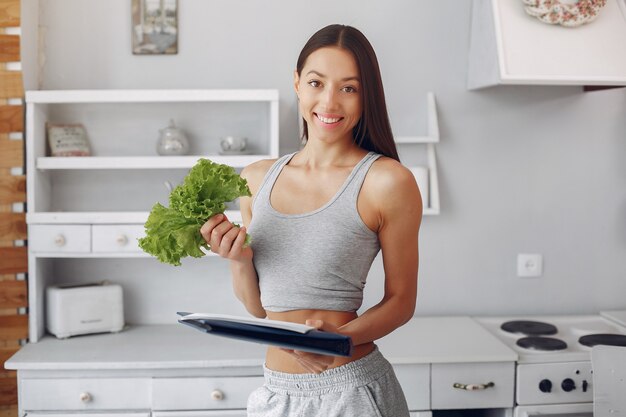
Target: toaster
(75, 309)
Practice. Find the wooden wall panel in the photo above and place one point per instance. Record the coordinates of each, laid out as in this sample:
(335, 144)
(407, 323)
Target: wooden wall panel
(11, 119)
(9, 48)
(13, 327)
(11, 152)
(11, 84)
(13, 226)
(14, 260)
(8, 391)
(9, 13)
(13, 294)
(12, 189)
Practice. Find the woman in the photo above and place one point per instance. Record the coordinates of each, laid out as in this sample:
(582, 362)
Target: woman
(317, 218)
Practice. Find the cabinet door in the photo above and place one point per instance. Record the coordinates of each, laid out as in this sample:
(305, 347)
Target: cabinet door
(415, 382)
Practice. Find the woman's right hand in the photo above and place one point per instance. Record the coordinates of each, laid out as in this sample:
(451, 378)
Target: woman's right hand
(226, 239)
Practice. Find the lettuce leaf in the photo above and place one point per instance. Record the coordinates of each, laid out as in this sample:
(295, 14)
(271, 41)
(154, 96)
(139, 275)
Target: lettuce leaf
(173, 232)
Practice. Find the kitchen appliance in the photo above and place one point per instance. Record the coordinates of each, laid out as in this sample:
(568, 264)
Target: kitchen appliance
(553, 370)
(76, 309)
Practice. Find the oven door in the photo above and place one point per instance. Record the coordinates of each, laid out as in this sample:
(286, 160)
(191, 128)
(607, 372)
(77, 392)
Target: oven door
(560, 410)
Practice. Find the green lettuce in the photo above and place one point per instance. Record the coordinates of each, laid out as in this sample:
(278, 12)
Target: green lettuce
(173, 232)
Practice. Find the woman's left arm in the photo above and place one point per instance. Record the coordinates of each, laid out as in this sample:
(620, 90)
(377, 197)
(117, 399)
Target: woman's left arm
(395, 198)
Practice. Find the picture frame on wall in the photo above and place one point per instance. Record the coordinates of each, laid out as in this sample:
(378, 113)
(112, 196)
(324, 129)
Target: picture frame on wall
(155, 27)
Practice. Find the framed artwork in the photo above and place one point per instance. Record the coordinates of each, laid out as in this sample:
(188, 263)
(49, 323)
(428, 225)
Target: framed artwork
(155, 27)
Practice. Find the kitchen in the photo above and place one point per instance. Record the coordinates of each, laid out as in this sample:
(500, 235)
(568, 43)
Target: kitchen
(522, 169)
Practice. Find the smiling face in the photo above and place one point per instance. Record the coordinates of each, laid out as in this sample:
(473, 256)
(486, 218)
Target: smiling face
(329, 93)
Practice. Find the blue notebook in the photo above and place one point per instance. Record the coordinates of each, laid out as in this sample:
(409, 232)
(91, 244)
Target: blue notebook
(270, 332)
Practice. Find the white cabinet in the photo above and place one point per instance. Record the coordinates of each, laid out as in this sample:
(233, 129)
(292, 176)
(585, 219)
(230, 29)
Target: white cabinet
(508, 46)
(94, 207)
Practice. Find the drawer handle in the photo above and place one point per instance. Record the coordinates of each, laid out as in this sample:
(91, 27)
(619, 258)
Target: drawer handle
(85, 397)
(217, 395)
(473, 387)
(122, 240)
(59, 240)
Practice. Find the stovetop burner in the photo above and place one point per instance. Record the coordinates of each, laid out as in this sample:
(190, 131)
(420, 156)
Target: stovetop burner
(541, 343)
(529, 328)
(603, 339)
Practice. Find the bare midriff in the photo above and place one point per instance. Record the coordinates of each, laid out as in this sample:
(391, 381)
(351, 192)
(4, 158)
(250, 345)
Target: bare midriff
(279, 360)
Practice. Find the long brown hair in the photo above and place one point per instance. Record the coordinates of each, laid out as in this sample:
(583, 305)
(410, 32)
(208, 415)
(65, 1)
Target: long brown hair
(373, 131)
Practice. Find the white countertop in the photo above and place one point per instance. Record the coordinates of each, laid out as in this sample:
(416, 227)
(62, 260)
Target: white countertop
(618, 316)
(422, 340)
(444, 340)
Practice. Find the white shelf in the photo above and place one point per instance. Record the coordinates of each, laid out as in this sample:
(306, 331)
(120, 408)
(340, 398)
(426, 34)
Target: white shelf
(415, 139)
(89, 199)
(148, 96)
(142, 162)
(127, 217)
(430, 140)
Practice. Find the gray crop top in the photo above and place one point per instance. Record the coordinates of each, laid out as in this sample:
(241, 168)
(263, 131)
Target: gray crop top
(315, 260)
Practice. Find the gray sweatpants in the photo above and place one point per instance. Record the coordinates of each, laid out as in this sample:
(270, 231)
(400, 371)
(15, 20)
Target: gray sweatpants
(367, 387)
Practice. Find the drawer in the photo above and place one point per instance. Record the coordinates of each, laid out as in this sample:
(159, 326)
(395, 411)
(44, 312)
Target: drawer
(59, 238)
(87, 414)
(446, 396)
(85, 393)
(117, 238)
(201, 413)
(203, 393)
(415, 382)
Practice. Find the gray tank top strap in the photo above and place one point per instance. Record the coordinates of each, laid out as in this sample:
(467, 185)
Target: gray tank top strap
(271, 175)
(354, 184)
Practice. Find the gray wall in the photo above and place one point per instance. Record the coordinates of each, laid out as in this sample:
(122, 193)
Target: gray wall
(522, 169)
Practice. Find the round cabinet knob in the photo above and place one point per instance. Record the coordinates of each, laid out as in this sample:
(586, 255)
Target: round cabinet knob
(545, 385)
(217, 395)
(122, 240)
(85, 397)
(568, 385)
(59, 240)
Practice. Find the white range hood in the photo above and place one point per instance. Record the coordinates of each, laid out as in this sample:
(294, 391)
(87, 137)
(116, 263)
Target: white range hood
(508, 46)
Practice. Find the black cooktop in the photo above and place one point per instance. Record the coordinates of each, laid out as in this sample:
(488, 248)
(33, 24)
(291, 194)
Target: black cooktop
(603, 339)
(529, 328)
(541, 343)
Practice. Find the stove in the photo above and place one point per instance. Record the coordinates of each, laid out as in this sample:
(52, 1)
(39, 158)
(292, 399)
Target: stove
(553, 370)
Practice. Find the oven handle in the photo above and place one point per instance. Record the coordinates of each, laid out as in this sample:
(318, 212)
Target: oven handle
(473, 387)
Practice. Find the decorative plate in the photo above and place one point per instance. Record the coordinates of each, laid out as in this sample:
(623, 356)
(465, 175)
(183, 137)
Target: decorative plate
(558, 12)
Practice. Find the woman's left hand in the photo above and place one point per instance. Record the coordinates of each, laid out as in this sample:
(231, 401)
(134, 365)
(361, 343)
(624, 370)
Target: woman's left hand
(314, 362)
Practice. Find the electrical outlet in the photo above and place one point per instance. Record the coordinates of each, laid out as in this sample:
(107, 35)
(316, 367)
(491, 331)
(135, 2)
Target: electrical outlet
(529, 265)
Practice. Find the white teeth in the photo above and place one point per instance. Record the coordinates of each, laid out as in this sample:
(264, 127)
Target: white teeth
(327, 120)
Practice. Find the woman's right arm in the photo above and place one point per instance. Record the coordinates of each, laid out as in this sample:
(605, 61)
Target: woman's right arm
(227, 240)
